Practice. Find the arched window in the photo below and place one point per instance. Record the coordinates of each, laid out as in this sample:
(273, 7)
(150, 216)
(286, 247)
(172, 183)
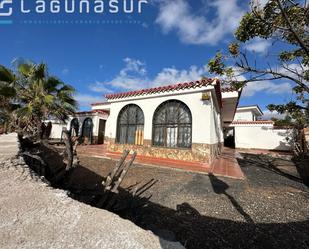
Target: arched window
(87, 131)
(172, 125)
(130, 125)
(74, 128)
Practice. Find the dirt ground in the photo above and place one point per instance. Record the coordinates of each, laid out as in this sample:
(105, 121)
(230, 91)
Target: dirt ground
(269, 209)
(33, 215)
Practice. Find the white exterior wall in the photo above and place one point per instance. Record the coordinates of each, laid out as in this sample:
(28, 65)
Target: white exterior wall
(57, 130)
(57, 127)
(262, 137)
(95, 120)
(216, 134)
(202, 129)
(244, 116)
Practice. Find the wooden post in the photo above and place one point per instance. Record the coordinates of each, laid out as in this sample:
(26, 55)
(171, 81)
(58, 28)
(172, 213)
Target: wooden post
(110, 177)
(114, 179)
(124, 172)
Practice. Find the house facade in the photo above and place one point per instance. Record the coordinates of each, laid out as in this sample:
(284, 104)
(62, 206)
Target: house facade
(89, 126)
(182, 121)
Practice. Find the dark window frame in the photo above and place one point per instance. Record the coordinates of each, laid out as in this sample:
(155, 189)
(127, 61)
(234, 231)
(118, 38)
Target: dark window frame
(74, 126)
(164, 107)
(138, 124)
(91, 129)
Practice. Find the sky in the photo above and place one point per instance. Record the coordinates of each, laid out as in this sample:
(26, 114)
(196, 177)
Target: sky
(170, 41)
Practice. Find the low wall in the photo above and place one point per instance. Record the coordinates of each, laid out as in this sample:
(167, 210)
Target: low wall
(263, 137)
(204, 153)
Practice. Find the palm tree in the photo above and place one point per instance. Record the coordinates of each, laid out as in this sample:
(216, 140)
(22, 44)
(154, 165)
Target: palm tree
(7, 92)
(38, 97)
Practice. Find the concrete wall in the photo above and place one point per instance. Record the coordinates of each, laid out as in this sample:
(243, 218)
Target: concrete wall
(57, 130)
(262, 137)
(244, 115)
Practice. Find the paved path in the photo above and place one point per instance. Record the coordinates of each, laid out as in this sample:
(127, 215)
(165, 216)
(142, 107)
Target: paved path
(226, 165)
(8, 146)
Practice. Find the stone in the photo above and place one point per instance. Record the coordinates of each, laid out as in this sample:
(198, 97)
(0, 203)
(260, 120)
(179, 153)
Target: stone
(204, 153)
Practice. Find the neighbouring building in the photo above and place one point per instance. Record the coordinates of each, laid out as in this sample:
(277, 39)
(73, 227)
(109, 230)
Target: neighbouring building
(250, 132)
(182, 121)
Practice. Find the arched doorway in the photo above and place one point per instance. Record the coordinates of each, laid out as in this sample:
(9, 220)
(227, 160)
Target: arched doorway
(130, 125)
(172, 125)
(87, 131)
(74, 128)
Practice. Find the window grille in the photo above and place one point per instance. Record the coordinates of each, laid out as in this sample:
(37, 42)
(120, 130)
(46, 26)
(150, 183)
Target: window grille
(172, 125)
(130, 125)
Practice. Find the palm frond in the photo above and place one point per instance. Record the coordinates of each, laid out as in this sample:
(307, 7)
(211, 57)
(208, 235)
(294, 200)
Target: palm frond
(6, 75)
(25, 69)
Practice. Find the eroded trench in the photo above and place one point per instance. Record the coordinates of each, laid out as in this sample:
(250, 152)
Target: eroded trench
(184, 224)
(132, 203)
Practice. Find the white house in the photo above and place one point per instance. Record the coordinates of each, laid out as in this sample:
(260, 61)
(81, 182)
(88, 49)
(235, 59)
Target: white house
(186, 121)
(247, 131)
(182, 121)
(248, 113)
(88, 125)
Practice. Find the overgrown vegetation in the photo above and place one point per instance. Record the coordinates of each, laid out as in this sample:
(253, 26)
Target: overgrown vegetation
(29, 95)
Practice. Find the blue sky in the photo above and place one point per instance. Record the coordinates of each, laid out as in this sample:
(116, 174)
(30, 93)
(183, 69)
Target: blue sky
(169, 42)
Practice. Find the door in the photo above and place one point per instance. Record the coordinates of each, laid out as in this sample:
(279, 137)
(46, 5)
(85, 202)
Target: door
(229, 137)
(101, 134)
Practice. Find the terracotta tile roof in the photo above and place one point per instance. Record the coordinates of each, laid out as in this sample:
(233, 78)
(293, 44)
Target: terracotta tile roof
(228, 89)
(93, 112)
(100, 103)
(161, 89)
(254, 122)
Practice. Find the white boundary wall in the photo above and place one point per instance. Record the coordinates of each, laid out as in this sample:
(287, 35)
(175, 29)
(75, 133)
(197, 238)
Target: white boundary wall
(262, 137)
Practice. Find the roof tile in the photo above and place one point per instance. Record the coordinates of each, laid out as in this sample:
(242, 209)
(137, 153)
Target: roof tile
(179, 86)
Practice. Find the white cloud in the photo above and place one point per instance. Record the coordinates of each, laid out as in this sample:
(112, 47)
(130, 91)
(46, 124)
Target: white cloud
(173, 75)
(266, 86)
(269, 115)
(294, 67)
(145, 25)
(131, 77)
(65, 71)
(258, 45)
(259, 3)
(84, 100)
(99, 87)
(192, 28)
(134, 76)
